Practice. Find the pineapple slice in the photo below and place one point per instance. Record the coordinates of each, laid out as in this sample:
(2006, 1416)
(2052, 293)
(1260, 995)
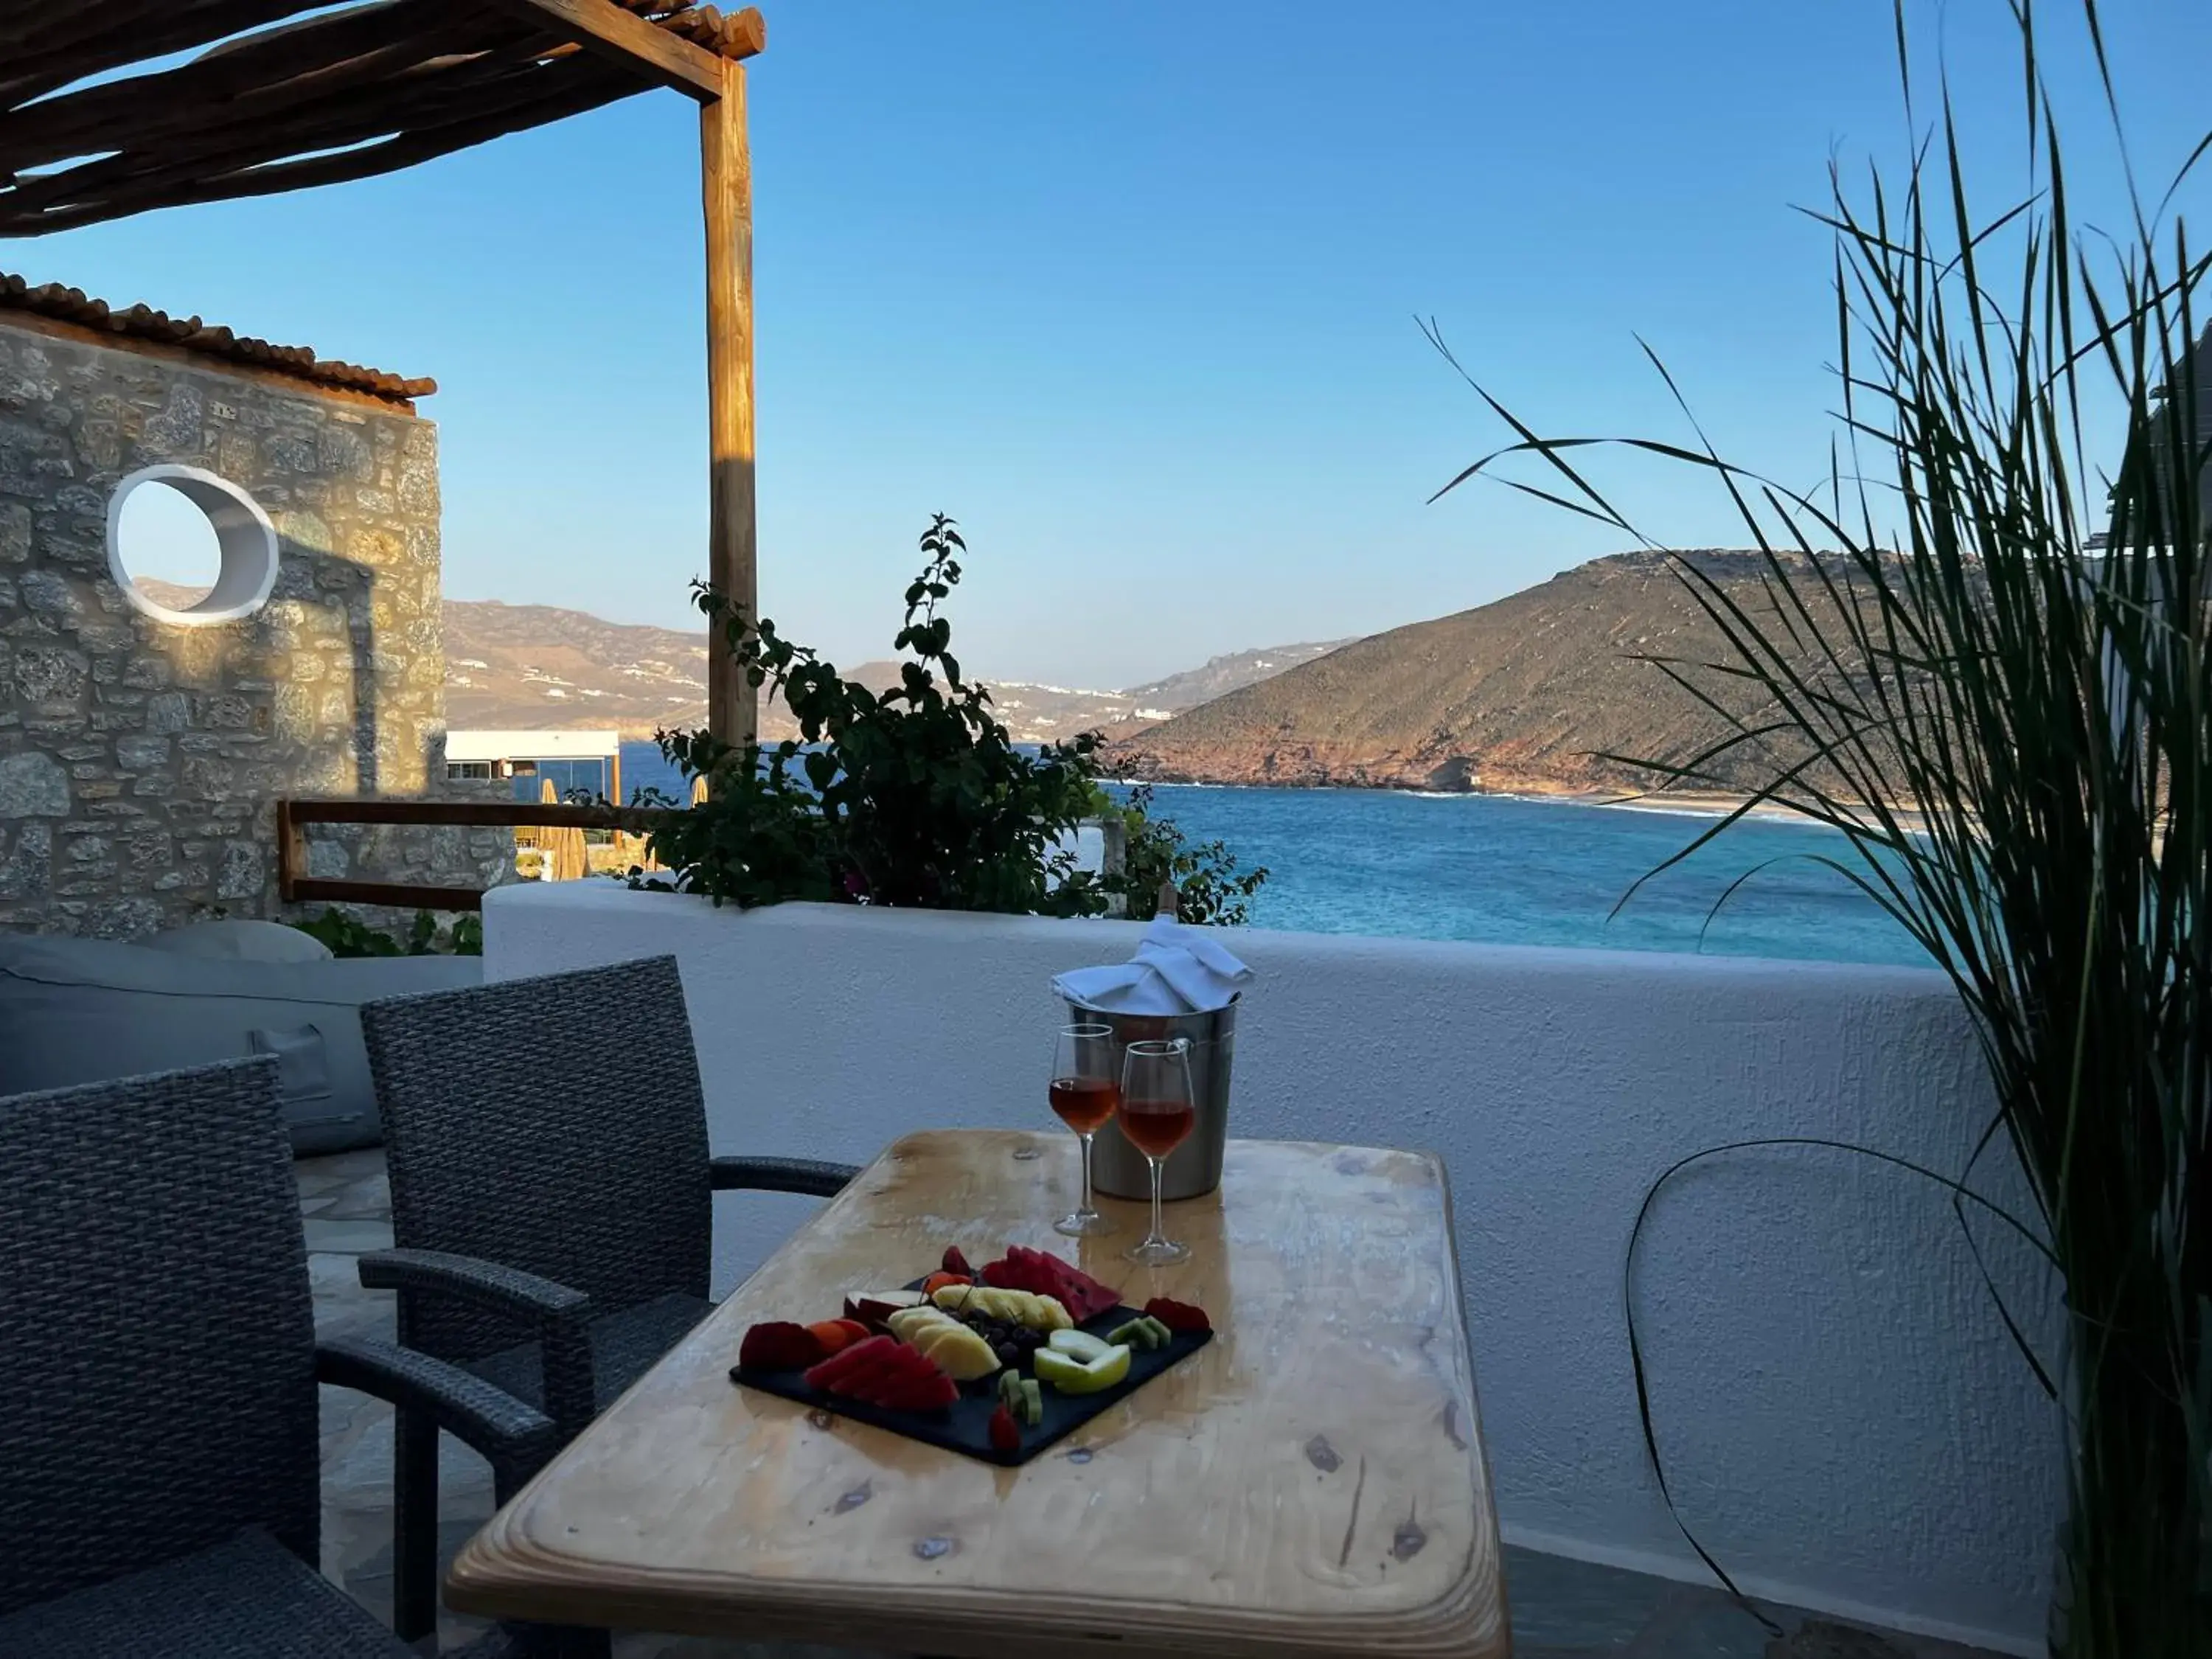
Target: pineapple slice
(1038, 1313)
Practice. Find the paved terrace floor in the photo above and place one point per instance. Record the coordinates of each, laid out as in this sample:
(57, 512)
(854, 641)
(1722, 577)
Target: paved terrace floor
(1562, 1609)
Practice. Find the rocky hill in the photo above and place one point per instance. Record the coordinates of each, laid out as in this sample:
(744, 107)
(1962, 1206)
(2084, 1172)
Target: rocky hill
(537, 667)
(1222, 675)
(1523, 695)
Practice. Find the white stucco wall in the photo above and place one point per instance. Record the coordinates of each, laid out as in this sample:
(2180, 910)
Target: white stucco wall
(1846, 1422)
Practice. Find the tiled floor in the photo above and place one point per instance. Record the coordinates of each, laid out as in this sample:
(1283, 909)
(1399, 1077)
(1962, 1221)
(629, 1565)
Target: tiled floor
(1562, 1609)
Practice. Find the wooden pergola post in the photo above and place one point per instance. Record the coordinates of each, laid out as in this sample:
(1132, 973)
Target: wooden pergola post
(733, 534)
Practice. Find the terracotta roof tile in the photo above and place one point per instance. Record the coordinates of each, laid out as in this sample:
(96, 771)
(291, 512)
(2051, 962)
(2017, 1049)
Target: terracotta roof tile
(143, 322)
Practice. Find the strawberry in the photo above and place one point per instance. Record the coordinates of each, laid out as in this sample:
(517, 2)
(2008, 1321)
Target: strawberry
(955, 1262)
(1005, 1433)
(1180, 1317)
(777, 1345)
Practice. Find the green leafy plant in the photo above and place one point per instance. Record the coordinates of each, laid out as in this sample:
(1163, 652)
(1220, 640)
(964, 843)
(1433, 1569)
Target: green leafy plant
(348, 936)
(1210, 888)
(1990, 669)
(916, 795)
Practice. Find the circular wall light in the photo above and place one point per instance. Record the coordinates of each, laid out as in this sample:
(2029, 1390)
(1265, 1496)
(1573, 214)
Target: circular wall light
(245, 538)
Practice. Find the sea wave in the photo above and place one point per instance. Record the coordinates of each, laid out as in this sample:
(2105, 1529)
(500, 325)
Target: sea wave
(1768, 814)
(1662, 812)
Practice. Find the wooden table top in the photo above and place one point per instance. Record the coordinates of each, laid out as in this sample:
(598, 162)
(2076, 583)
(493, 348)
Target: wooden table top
(1312, 1482)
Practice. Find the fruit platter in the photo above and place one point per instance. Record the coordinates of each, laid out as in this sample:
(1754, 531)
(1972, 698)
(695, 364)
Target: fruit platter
(997, 1362)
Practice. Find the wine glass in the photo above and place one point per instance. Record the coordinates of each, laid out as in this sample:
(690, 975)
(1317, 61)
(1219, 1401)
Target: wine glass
(1085, 1090)
(1156, 1114)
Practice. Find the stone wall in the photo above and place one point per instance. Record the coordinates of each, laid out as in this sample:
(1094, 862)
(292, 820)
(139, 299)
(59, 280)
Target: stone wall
(140, 762)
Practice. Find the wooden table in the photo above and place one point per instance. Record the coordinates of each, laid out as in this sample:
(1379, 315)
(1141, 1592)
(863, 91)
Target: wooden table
(1310, 1482)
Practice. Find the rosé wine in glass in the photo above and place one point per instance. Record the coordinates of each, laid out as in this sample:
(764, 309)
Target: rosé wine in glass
(1157, 1115)
(1084, 1089)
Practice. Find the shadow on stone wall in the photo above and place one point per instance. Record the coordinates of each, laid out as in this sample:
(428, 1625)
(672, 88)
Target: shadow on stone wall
(140, 762)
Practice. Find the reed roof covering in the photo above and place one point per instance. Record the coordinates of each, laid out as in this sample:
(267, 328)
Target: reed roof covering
(112, 108)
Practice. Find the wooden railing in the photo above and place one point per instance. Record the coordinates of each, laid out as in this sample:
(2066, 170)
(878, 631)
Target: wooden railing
(295, 886)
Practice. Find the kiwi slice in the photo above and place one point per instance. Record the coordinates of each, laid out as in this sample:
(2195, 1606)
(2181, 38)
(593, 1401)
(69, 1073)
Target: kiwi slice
(1143, 1332)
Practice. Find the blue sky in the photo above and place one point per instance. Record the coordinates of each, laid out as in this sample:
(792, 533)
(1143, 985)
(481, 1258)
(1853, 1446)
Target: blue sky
(1130, 291)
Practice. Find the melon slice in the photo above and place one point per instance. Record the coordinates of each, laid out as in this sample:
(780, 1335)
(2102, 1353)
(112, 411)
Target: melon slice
(962, 1354)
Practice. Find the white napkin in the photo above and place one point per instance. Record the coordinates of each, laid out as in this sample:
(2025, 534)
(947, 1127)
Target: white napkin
(1177, 970)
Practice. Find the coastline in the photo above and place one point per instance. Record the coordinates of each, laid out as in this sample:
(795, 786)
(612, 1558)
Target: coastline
(1672, 803)
(1686, 802)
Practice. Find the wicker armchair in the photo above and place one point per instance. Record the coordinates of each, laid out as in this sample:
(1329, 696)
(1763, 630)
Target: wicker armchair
(551, 1201)
(158, 1409)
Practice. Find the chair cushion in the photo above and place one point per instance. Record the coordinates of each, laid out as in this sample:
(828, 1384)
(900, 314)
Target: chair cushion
(239, 939)
(77, 1011)
(247, 1598)
(625, 1346)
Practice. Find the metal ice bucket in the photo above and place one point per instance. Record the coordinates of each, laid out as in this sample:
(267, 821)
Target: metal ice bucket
(1118, 1169)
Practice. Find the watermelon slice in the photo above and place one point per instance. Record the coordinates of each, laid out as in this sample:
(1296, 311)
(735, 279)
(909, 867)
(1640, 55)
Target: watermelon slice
(1178, 1316)
(850, 1362)
(887, 1373)
(915, 1389)
(1024, 1269)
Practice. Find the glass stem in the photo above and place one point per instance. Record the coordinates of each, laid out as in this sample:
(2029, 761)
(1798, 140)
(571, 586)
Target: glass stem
(1156, 1234)
(1085, 1140)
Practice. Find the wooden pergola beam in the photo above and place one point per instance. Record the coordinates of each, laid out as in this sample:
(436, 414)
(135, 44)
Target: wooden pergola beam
(655, 54)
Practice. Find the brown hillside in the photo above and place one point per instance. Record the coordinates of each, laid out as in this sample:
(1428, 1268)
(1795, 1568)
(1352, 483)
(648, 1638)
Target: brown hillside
(538, 666)
(1520, 694)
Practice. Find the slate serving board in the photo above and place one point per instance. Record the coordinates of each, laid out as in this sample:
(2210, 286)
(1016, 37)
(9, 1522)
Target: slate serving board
(965, 1426)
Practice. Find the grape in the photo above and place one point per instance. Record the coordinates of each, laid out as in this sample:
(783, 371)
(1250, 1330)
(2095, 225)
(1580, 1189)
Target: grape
(1012, 1343)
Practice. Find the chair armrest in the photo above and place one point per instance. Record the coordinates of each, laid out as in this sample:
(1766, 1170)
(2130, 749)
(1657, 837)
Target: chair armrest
(559, 1316)
(527, 1297)
(515, 1438)
(780, 1175)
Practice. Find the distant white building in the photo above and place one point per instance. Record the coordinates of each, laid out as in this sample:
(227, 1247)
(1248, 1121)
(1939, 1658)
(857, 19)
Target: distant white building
(589, 761)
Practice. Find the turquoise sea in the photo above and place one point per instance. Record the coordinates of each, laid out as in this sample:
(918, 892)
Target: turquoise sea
(1516, 871)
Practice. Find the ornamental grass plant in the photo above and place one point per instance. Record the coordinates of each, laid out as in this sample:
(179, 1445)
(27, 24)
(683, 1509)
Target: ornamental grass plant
(1981, 655)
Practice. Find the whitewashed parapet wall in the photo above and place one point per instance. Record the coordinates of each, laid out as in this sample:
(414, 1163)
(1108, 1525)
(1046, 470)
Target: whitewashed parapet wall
(140, 760)
(1846, 1422)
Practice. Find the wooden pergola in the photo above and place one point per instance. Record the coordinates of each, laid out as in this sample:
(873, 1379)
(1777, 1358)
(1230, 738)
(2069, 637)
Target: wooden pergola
(287, 94)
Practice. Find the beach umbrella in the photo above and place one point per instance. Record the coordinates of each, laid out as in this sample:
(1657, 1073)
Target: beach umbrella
(571, 860)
